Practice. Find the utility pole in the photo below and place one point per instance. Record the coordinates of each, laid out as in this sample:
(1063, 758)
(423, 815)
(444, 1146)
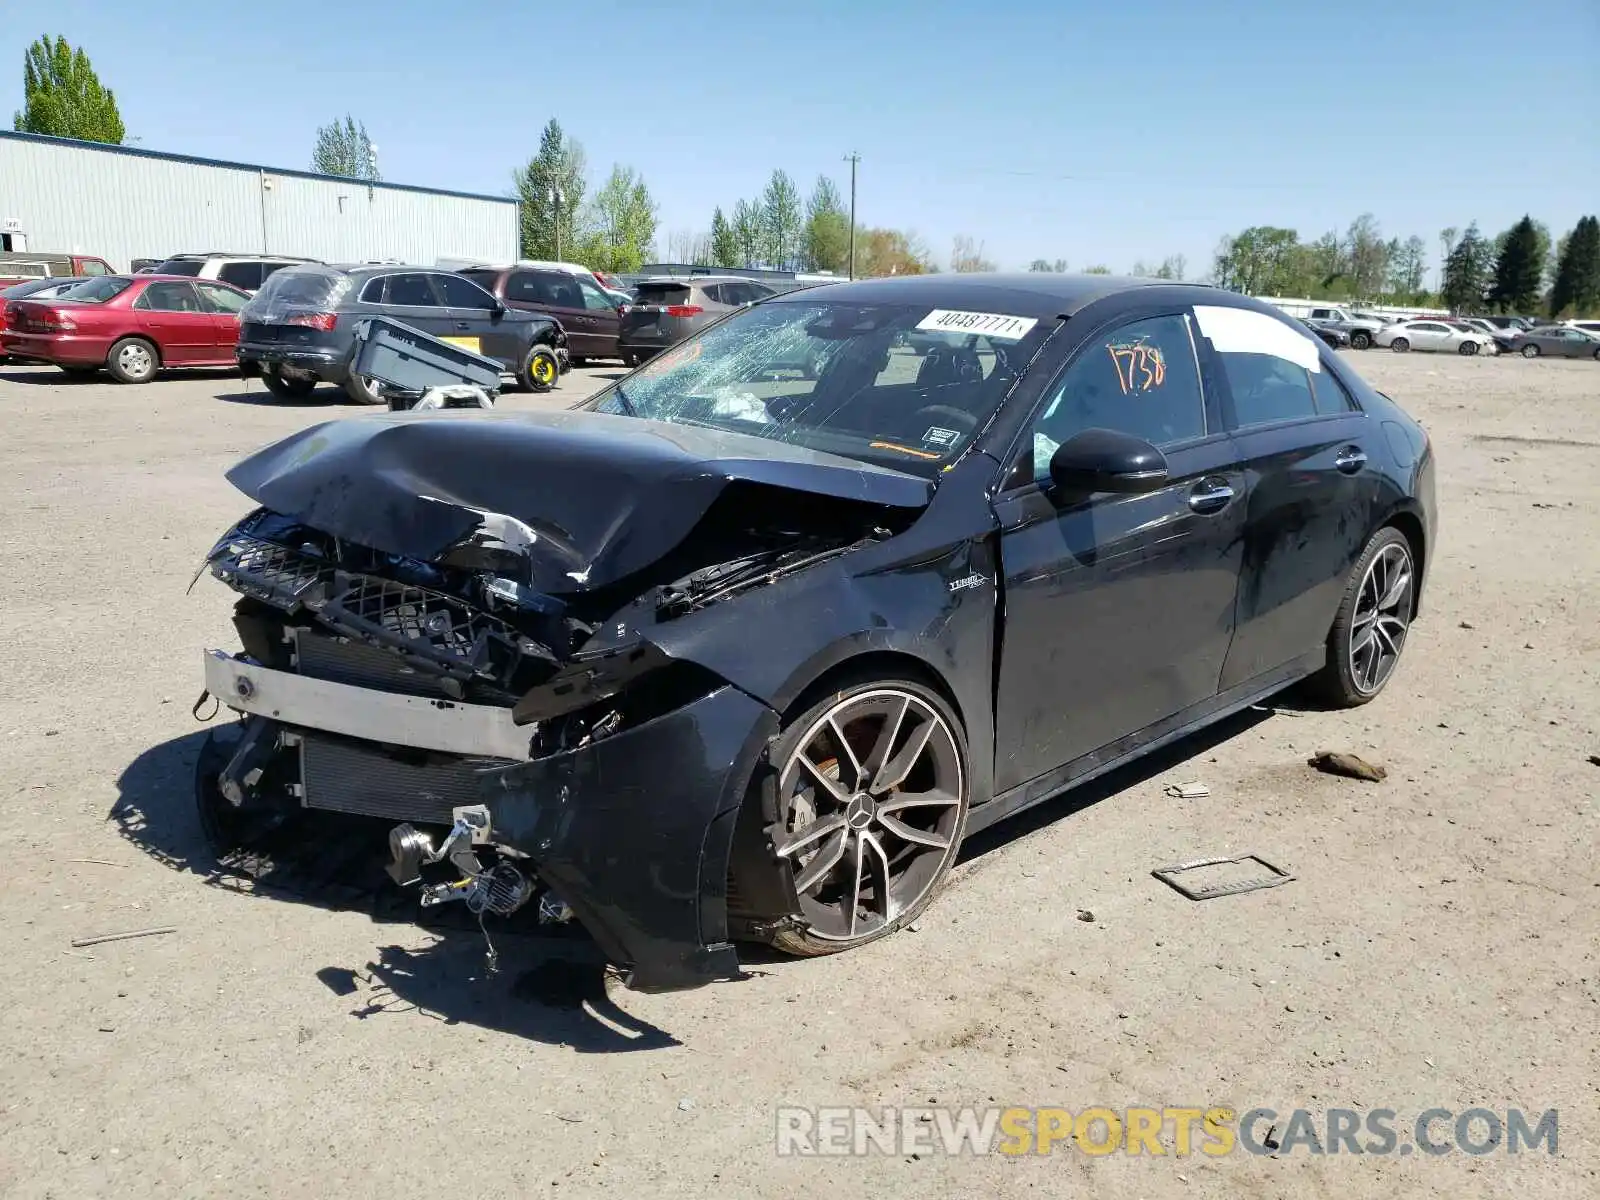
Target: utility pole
(556, 199)
(852, 158)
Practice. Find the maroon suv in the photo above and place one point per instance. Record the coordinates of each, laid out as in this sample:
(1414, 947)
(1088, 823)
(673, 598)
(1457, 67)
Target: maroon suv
(591, 318)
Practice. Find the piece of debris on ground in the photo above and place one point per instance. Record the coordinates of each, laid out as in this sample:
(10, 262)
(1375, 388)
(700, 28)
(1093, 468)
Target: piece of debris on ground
(1207, 878)
(1188, 791)
(1337, 762)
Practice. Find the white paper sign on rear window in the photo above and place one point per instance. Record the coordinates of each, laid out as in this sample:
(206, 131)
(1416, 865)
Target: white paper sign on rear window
(991, 325)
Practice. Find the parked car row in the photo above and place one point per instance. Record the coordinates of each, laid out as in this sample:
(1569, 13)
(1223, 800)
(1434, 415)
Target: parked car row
(296, 331)
(1462, 335)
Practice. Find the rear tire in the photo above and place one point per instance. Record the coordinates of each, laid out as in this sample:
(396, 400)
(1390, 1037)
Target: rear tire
(363, 390)
(133, 360)
(1400, 345)
(1369, 630)
(1530, 351)
(1360, 339)
(291, 387)
(540, 370)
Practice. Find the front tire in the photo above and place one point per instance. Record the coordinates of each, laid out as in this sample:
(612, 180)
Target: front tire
(1400, 345)
(1467, 349)
(1369, 630)
(872, 794)
(540, 370)
(1360, 339)
(133, 360)
(1530, 351)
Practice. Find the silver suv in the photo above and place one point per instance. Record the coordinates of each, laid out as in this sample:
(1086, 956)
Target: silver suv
(246, 272)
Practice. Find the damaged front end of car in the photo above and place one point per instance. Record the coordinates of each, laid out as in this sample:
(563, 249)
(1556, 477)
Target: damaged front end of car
(453, 625)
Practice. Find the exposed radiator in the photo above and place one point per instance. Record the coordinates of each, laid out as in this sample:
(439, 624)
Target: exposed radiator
(353, 777)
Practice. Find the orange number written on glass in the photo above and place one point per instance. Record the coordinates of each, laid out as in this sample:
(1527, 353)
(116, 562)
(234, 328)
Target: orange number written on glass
(1140, 368)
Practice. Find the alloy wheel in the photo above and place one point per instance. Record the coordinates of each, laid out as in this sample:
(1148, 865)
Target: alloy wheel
(874, 800)
(1382, 618)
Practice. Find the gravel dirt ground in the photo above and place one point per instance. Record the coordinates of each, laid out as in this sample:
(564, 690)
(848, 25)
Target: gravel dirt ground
(1437, 948)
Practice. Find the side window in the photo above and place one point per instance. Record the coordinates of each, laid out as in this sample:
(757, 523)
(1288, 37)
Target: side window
(460, 292)
(93, 266)
(223, 299)
(267, 268)
(594, 299)
(373, 292)
(1140, 378)
(563, 289)
(170, 297)
(245, 275)
(1331, 395)
(524, 286)
(411, 291)
(1269, 367)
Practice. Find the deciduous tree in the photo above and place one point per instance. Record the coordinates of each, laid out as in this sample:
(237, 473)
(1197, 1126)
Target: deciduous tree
(343, 148)
(966, 257)
(63, 97)
(780, 220)
(827, 231)
(623, 218)
(724, 245)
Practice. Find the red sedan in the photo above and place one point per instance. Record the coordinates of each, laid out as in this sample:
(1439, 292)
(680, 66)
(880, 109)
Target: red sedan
(132, 325)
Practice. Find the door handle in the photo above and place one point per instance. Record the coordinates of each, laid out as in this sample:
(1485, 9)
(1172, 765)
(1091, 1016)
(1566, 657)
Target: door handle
(1210, 495)
(1351, 459)
(463, 325)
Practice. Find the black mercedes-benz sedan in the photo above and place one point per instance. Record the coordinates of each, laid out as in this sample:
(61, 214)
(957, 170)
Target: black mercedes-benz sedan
(741, 648)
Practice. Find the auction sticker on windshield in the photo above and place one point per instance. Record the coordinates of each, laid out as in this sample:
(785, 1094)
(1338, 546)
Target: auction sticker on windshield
(993, 325)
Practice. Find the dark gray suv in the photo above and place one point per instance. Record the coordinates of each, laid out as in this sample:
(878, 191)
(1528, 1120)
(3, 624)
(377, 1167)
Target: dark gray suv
(299, 329)
(667, 310)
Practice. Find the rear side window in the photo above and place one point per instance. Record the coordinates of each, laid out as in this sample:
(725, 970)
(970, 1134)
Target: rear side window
(170, 297)
(179, 266)
(93, 266)
(663, 294)
(528, 287)
(409, 291)
(247, 275)
(1269, 366)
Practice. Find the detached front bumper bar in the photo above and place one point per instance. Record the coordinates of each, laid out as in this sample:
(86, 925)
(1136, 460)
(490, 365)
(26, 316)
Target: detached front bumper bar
(633, 831)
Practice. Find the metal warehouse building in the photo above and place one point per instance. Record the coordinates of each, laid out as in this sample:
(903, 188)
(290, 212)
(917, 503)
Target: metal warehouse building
(123, 203)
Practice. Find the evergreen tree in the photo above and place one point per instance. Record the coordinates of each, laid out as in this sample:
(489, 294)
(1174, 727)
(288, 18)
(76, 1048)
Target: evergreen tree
(551, 225)
(1466, 272)
(1518, 269)
(1577, 282)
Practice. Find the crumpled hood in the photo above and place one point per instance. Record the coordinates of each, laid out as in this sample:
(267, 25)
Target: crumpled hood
(587, 498)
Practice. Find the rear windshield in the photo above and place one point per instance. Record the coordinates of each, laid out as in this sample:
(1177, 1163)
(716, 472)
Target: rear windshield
(96, 291)
(663, 293)
(296, 289)
(179, 266)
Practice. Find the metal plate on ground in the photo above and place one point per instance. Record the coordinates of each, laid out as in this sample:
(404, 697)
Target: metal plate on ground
(1208, 878)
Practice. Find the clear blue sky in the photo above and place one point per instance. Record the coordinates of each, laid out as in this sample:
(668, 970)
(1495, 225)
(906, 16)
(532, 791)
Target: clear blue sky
(1095, 132)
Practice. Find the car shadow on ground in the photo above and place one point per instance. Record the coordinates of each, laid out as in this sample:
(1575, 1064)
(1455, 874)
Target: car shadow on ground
(44, 373)
(252, 392)
(552, 985)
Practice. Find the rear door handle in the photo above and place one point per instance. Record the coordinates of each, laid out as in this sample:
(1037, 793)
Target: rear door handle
(1210, 495)
(1351, 459)
(463, 325)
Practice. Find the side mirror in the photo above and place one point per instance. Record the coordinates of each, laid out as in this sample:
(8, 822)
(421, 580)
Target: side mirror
(1103, 460)
(497, 309)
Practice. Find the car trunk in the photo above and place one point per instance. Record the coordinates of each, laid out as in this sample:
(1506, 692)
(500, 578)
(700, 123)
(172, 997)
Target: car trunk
(296, 308)
(661, 314)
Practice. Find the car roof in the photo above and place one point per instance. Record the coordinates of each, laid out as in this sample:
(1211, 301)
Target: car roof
(210, 254)
(1039, 294)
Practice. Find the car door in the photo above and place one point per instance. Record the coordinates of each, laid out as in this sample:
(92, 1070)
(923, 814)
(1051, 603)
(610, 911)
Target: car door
(1311, 491)
(478, 321)
(1430, 335)
(225, 304)
(1118, 609)
(562, 299)
(602, 322)
(1573, 344)
(178, 321)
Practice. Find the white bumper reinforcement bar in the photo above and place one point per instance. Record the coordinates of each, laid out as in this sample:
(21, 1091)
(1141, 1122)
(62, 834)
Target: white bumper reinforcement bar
(479, 730)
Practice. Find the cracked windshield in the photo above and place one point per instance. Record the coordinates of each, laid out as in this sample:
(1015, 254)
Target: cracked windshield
(893, 384)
